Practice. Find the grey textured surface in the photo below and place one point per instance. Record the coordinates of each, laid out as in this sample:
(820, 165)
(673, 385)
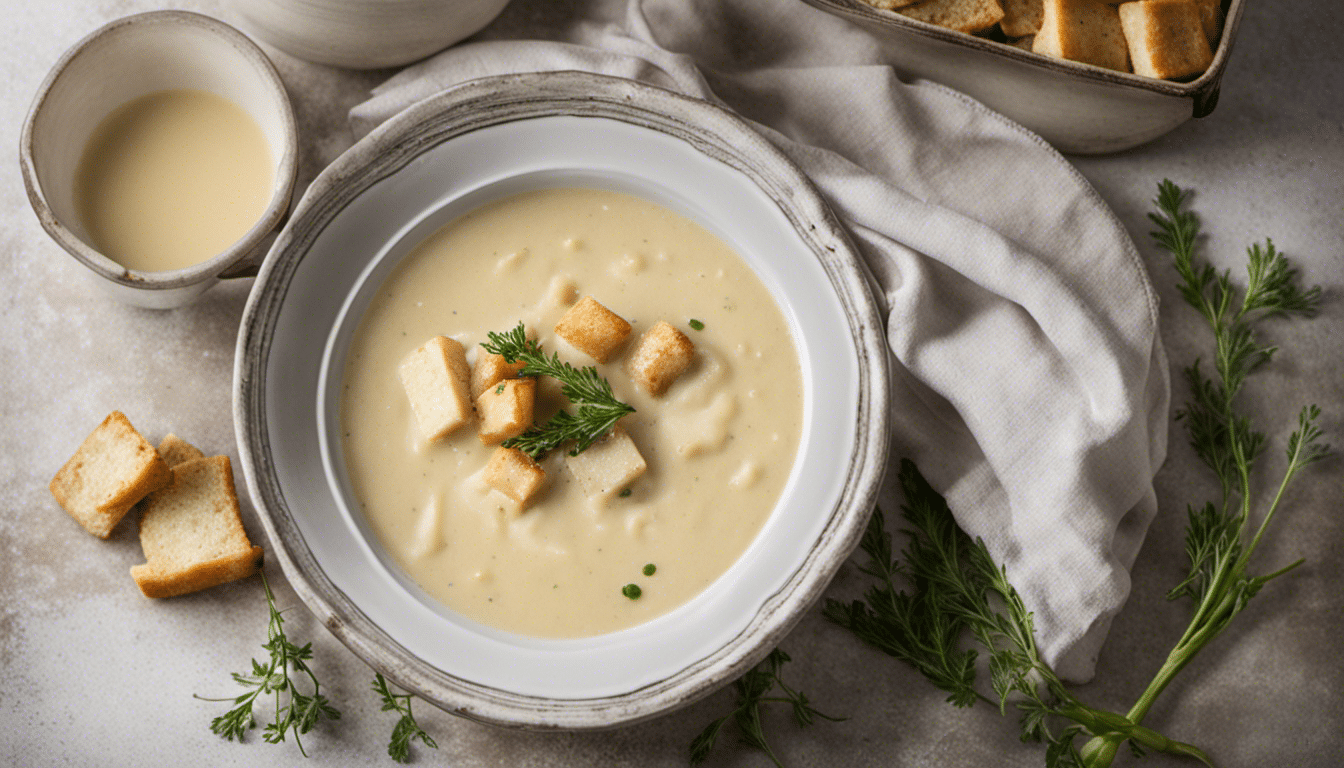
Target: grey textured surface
(95, 674)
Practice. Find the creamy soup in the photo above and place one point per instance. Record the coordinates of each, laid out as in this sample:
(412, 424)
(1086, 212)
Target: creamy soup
(171, 179)
(719, 443)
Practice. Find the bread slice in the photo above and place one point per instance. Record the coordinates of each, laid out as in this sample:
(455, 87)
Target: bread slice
(192, 534)
(969, 16)
(1166, 38)
(175, 450)
(1022, 17)
(1087, 31)
(593, 329)
(113, 469)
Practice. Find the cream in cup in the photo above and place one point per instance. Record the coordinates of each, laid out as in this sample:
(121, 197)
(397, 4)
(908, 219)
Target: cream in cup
(159, 130)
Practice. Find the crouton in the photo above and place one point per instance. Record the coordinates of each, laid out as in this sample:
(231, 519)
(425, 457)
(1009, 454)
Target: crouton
(514, 474)
(1021, 17)
(489, 370)
(1086, 31)
(506, 409)
(437, 381)
(890, 5)
(1211, 16)
(175, 450)
(969, 16)
(609, 465)
(660, 356)
(1166, 38)
(114, 468)
(192, 534)
(593, 329)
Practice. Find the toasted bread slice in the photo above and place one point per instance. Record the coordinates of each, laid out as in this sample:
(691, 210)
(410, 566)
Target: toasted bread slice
(969, 16)
(1022, 17)
(1166, 38)
(192, 533)
(113, 469)
(175, 450)
(1086, 31)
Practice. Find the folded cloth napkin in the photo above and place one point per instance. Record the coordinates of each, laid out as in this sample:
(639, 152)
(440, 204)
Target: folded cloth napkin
(1029, 382)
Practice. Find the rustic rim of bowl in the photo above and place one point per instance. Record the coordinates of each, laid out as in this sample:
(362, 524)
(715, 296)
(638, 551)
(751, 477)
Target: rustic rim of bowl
(248, 243)
(491, 101)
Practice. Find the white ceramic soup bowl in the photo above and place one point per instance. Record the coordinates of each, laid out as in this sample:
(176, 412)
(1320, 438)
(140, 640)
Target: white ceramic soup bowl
(449, 154)
(122, 61)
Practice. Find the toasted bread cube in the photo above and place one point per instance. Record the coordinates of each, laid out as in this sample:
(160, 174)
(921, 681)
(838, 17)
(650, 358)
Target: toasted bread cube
(969, 16)
(1086, 31)
(593, 329)
(489, 370)
(175, 450)
(113, 469)
(661, 355)
(506, 409)
(1022, 17)
(890, 5)
(437, 381)
(514, 474)
(1211, 16)
(1166, 38)
(609, 465)
(192, 534)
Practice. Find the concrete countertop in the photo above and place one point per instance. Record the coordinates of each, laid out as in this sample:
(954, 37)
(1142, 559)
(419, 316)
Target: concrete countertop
(94, 674)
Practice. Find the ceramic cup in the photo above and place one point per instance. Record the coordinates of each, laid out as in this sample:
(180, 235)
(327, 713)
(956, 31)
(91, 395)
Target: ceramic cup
(365, 34)
(122, 61)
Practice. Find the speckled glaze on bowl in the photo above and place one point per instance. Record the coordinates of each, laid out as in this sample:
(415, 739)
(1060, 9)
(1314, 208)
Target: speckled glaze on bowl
(122, 61)
(1078, 108)
(398, 184)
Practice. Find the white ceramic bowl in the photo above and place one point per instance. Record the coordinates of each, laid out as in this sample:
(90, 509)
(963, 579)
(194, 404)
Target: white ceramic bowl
(366, 34)
(1076, 107)
(454, 152)
(120, 62)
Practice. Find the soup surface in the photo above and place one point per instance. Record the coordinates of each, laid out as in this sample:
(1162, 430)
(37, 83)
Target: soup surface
(719, 444)
(172, 179)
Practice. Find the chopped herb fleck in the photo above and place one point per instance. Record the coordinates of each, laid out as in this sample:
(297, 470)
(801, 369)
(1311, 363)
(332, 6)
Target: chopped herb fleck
(624, 493)
(696, 324)
(650, 569)
(499, 390)
(632, 591)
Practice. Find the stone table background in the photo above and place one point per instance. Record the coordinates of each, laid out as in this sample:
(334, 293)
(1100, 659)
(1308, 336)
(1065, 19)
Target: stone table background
(91, 673)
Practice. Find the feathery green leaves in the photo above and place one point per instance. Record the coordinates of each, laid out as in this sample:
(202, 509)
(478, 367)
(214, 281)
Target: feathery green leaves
(407, 729)
(752, 689)
(295, 711)
(596, 409)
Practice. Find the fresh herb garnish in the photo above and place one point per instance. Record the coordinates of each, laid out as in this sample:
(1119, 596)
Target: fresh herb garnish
(596, 409)
(650, 569)
(957, 588)
(632, 591)
(294, 711)
(625, 492)
(407, 729)
(751, 693)
(696, 324)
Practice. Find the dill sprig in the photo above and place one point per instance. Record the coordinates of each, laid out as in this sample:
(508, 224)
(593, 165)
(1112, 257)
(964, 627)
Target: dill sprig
(1219, 541)
(596, 409)
(957, 590)
(294, 710)
(751, 689)
(407, 729)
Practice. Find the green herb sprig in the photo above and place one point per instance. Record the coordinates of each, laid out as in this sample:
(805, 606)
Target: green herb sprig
(407, 729)
(957, 588)
(751, 694)
(596, 409)
(294, 711)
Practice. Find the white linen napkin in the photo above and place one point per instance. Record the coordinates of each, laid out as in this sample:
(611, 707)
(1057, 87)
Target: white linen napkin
(1029, 382)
